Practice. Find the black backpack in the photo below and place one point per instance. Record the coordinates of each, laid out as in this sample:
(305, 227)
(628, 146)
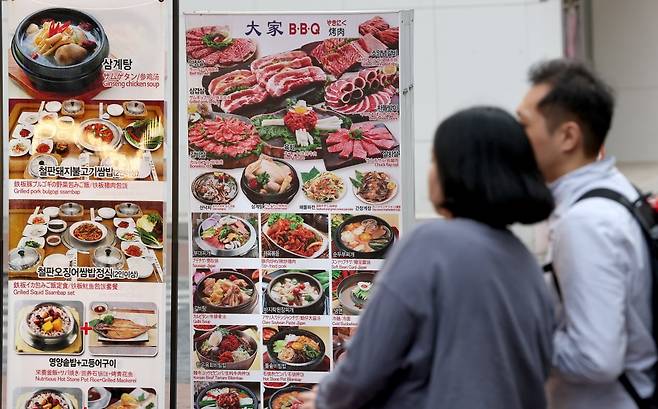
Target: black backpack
(647, 217)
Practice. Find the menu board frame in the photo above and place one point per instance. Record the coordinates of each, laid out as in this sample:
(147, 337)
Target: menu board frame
(249, 326)
(167, 109)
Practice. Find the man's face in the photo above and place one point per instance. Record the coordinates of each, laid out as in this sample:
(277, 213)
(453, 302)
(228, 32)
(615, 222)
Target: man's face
(545, 144)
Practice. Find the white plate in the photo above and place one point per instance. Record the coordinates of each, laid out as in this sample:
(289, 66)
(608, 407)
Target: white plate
(143, 267)
(103, 401)
(58, 240)
(40, 240)
(106, 212)
(355, 190)
(121, 231)
(115, 109)
(75, 226)
(126, 244)
(37, 142)
(118, 220)
(153, 246)
(318, 253)
(35, 230)
(28, 118)
(142, 338)
(55, 230)
(48, 116)
(23, 144)
(57, 260)
(53, 106)
(51, 211)
(45, 218)
(16, 134)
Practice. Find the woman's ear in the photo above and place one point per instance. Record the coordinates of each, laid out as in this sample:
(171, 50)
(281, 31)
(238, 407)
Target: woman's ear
(434, 184)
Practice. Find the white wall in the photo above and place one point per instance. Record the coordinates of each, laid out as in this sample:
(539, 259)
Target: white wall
(466, 52)
(624, 48)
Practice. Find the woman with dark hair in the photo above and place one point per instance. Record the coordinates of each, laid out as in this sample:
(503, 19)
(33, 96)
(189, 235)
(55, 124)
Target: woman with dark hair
(460, 317)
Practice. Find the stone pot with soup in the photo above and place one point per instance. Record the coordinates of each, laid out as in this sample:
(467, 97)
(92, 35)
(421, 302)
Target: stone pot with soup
(225, 395)
(364, 235)
(296, 349)
(296, 292)
(287, 398)
(60, 49)
(226, 349)
(225, 292)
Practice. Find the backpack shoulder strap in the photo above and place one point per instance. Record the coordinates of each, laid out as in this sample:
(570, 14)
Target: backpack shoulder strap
(639, 209)
(607, 194)
(643, 214)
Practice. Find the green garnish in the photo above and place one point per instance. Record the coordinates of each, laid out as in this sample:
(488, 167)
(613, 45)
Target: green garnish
(107, 319)
(209, 41)
(295, 220)
(236, 89)
(278, 346)
(310, 352)
(357, 181)
(154, 218)
(356, 134)
(310, 175)
(263, 179)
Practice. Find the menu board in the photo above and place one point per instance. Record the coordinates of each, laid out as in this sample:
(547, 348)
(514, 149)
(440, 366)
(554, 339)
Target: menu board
(85, 145)
(296, 156)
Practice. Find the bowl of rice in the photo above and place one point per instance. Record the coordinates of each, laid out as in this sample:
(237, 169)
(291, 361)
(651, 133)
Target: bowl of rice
(48, 398)
(50, 323)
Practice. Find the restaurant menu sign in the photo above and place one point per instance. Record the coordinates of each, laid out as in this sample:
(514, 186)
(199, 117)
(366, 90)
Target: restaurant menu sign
(294, 139)
(85, 146)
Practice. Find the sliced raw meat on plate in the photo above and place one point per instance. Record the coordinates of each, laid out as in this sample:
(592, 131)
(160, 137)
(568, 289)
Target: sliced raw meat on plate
(364, 140)
(276, 58)
(287, 81)
(239, 99)
(213, 46)
(232, 82)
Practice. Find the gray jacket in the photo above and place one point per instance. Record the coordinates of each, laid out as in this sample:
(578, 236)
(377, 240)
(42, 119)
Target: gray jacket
(461, 319)
(602, 263)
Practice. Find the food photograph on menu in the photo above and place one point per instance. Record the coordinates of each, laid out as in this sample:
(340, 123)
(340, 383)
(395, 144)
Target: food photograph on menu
(283, 395)
(303, 349)
(225, 235)
(226, 395)
(48, 397)
(47, 235)
(295, 292)
(71, 139)
(49, 327)
(363, 236)
(351, 291)
(295, 235)
(226, 291)
(99, 397)
(226, 347)
(123, 328)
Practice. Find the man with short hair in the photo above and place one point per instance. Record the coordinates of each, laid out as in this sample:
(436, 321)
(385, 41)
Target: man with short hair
(597, 250)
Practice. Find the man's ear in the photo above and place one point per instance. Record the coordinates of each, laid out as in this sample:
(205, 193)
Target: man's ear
(571, 136)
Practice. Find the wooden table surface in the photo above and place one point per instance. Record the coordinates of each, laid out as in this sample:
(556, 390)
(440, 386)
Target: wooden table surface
(17, 165)
(18, 220)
